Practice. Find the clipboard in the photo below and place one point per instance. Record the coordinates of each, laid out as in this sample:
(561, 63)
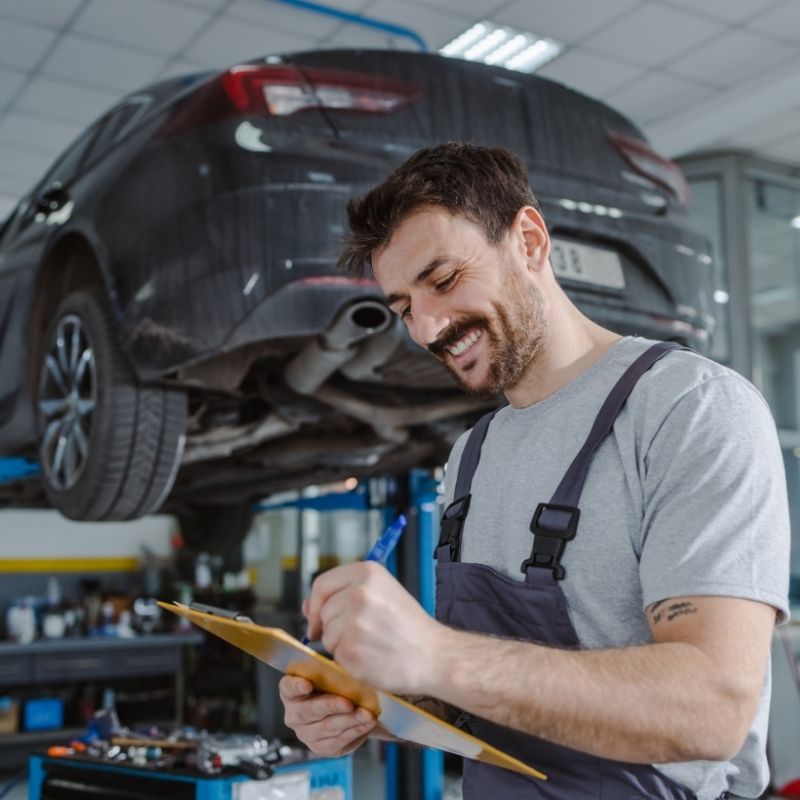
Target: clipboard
(403, 720)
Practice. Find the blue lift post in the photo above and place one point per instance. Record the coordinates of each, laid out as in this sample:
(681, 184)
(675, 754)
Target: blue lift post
(410, 774)
(13, 468)
(424, 528)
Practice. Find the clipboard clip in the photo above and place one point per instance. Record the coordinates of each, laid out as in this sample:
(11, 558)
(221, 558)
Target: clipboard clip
(215, 611)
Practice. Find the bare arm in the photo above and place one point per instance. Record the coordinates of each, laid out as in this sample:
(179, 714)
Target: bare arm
(689, 695)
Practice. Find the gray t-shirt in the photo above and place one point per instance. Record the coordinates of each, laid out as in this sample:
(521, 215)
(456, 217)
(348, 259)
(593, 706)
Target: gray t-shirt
(686, 496)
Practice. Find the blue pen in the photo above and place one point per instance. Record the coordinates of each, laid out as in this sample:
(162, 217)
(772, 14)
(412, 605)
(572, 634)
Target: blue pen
(382, 549)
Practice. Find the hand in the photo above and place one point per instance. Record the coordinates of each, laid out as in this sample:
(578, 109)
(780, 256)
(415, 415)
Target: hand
(327, 724)
(373, 627)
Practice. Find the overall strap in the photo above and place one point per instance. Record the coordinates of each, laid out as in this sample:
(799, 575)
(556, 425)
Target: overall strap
(556, 522)
(453, 518)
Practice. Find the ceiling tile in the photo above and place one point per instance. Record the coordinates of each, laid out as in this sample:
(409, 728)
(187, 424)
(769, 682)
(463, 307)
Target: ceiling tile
(209, 5)
(23, 45)
(16, 186)
(226, 42)
(97, 64)
(10, 83)
(437, 28)
(147, 24)
(43, 12)
(470, 9)
(565, 20)
(284, 17)
(37, 132)
(358, 36)
(184, 67)
(652, 34)
(788, 150)
(8, 201)
(782, 21)
(731, 58)
(771, 130)
(732, 11)
(69, 102)
(655, 96)
(22, 162)
(591, 74)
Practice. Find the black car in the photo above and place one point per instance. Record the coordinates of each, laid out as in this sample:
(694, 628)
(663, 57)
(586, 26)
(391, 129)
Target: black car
(174, 335)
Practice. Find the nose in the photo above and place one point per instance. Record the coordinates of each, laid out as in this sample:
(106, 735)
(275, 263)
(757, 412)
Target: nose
(426, 327)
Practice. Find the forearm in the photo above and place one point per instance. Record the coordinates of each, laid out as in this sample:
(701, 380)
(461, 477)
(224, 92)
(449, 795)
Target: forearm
(649, 704)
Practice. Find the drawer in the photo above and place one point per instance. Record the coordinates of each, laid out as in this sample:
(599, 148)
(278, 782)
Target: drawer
(72, 666)
(16, 670)
(150, 661)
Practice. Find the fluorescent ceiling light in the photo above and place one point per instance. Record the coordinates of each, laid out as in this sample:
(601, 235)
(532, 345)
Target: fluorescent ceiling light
(502, 46)
(796, 222)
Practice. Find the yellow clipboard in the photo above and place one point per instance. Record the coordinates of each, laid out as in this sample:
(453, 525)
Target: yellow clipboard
(403, 720)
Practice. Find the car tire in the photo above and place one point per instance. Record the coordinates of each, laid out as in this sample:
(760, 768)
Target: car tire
(216, 530)
(109, 447)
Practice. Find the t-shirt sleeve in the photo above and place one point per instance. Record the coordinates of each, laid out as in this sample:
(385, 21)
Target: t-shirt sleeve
(716, 518)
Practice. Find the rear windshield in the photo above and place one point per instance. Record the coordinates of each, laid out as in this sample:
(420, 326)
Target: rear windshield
(553, 128)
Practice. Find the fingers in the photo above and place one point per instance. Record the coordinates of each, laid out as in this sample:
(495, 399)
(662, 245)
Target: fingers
(328, 584)
(326, 723)
(342, 743)
(292, 687)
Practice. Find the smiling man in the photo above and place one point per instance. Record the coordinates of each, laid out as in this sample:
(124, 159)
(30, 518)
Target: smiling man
(628, 657)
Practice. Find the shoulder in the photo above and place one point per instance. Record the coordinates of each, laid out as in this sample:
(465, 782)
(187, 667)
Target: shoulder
(684, 384)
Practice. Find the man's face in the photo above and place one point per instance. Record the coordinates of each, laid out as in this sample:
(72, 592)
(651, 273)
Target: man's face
(473, 305)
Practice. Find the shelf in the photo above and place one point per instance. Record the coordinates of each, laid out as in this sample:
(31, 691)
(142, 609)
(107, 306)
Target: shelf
(89, 643)
(36, 738)
(16, 747)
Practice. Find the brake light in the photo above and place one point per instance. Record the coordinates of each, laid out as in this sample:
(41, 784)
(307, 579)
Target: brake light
(282, 90)
(647, 162)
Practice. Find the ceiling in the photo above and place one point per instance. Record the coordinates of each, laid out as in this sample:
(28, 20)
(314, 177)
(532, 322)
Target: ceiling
(724, 76)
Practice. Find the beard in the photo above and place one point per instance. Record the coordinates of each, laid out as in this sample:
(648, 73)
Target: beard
(515, 332)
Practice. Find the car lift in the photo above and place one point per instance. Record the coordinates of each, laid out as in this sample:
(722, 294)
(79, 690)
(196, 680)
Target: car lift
(411, 774)
(417, 774)
(13, 468)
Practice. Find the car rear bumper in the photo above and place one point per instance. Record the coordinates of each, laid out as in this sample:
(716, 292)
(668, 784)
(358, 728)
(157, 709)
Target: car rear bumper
(288, 317)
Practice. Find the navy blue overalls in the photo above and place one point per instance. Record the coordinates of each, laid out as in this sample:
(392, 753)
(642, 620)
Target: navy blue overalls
(477, 598)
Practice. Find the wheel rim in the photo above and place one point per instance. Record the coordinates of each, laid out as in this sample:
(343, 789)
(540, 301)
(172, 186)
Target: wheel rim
(66, 402)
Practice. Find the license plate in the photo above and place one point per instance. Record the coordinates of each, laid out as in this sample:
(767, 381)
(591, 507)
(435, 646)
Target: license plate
(583, 263)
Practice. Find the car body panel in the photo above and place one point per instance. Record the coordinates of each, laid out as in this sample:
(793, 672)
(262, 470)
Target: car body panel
(216, 232)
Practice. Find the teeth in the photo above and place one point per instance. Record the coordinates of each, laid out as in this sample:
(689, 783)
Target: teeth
(465, 344)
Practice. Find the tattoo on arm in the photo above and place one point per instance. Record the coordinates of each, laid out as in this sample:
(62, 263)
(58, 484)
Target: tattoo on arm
(667, 610)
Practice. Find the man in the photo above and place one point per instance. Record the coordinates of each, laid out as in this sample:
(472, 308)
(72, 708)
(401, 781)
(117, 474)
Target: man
(629, 657)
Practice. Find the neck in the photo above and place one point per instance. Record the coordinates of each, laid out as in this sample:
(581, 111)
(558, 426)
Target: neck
(573, 343)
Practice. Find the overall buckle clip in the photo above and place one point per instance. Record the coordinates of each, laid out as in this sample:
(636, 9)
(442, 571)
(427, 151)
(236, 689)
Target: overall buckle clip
(550, 536)
(451, 525)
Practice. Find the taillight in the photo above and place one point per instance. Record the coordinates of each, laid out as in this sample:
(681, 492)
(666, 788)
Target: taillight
(281, 90)
(650, 164)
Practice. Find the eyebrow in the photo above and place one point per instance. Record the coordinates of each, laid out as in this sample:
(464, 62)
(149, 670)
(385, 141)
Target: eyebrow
(421, 277)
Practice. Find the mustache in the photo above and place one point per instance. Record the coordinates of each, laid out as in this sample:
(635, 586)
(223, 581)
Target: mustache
(453, 333)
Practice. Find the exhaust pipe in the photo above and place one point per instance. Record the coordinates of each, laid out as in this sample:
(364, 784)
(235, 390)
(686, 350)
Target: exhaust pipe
(322, 356)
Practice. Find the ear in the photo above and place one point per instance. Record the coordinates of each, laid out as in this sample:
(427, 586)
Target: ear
(534, 237)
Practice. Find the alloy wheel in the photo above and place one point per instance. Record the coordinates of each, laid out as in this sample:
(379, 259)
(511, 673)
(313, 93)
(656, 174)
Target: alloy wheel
(66, 401)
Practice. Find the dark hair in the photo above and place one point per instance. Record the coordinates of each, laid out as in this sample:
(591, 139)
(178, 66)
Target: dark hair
(487, 185)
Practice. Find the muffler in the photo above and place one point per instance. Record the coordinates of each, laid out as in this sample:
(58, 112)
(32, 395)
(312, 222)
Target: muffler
(322, 356)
